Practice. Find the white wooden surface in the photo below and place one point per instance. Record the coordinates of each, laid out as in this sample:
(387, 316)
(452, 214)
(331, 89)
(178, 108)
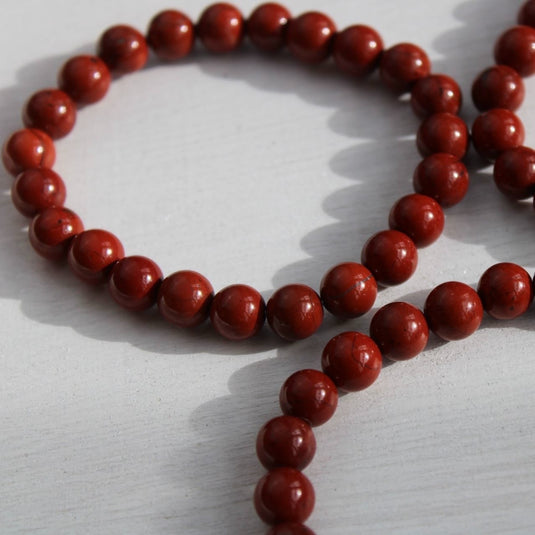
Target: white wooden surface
(260, 171)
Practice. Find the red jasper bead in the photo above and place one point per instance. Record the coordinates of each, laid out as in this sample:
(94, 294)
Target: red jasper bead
(352, 360)
(418, 216)
(171, 35)
(443, 132)
(399, 330)
(310, 37)
(284, 495)
(453, 310)
(286, 441)
(402, 65)
(295, 312)
(267, 25)
(28, 148)
(505, 290)
(123, 49)
(237, 312)
(516, 48)
(52, 230)
(497, 130)
(391, 256)
(134, 282)
(348, 290)
(86, 79)
(436, 93)
(221, 28)
(514, 172)
(526, 15)
(442, 177)
(52, 111)
(37, 189)
(93, 253)
(185, 297)
(498, 86)
(310, 395)
(357, 50)
(290, 528)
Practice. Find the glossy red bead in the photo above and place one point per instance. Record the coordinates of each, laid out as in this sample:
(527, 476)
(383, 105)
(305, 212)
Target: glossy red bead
(516, 48)
(171, 35)
(399, 330)
(86, 79)
(28, 148)
(402, 65)
(526, 15)
(52, 230)
(436, 93)
(348, 290)
(310, 37)
(419, 217)
(221, 28)
(514, 173)
(284, 495)
(357, 50)
(505, 290)
(290, 528)
(123, 49)
(310, 395)
(443, 132)
(442, 177)
(237, 312)
(391, 256)
(267, 26)
(185, 297)
(498, 86)
(93, 253)
(52, 111)
(134, 282)
(453, 310)
(286, 441)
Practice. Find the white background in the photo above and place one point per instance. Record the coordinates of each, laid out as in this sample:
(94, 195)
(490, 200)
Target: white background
(261, 171)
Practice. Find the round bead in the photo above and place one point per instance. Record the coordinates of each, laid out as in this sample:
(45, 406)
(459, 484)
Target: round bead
(52, 230)
(498, 86)
(52, 111)
(418, 216)
(516, 48)
(514, 172)
(237, 312)
(171, 35)
(286, 441)
(402, 65)
(526, 15)
(348, 290)
(399, 330)
(391, 256)
(284, 495)
(267, 25)
(290, 528)
(28, 148)
(310, 395)
(435, 94)
(442, 177)
(453, 310)
(86, 79)
(357, 50)
(443, 132)
(185, 297)
(93, 253)
(221, 28)
(505, 290)
(123, 49)
(134, 282)
(310, 37)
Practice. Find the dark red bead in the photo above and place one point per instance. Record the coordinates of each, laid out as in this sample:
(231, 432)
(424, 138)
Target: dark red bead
(171, 35)
(310, 37)
(123, 49)
(86, 79)
(443, 132)
(237, 312)
(514, 172)
(505, 290)
(516, 48)
(134, 282)
(26, 149)
(284, 495)
(399, 330)
(290, 528)
(348, 290)
(453, 310)
(436, 93)
(357, 50)
(526, 15)
(52, 111)
(267, 25)
(498, 86)
(286, 441)
(185, 297)
(221, 28)
(310, 395)
(402, 65)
